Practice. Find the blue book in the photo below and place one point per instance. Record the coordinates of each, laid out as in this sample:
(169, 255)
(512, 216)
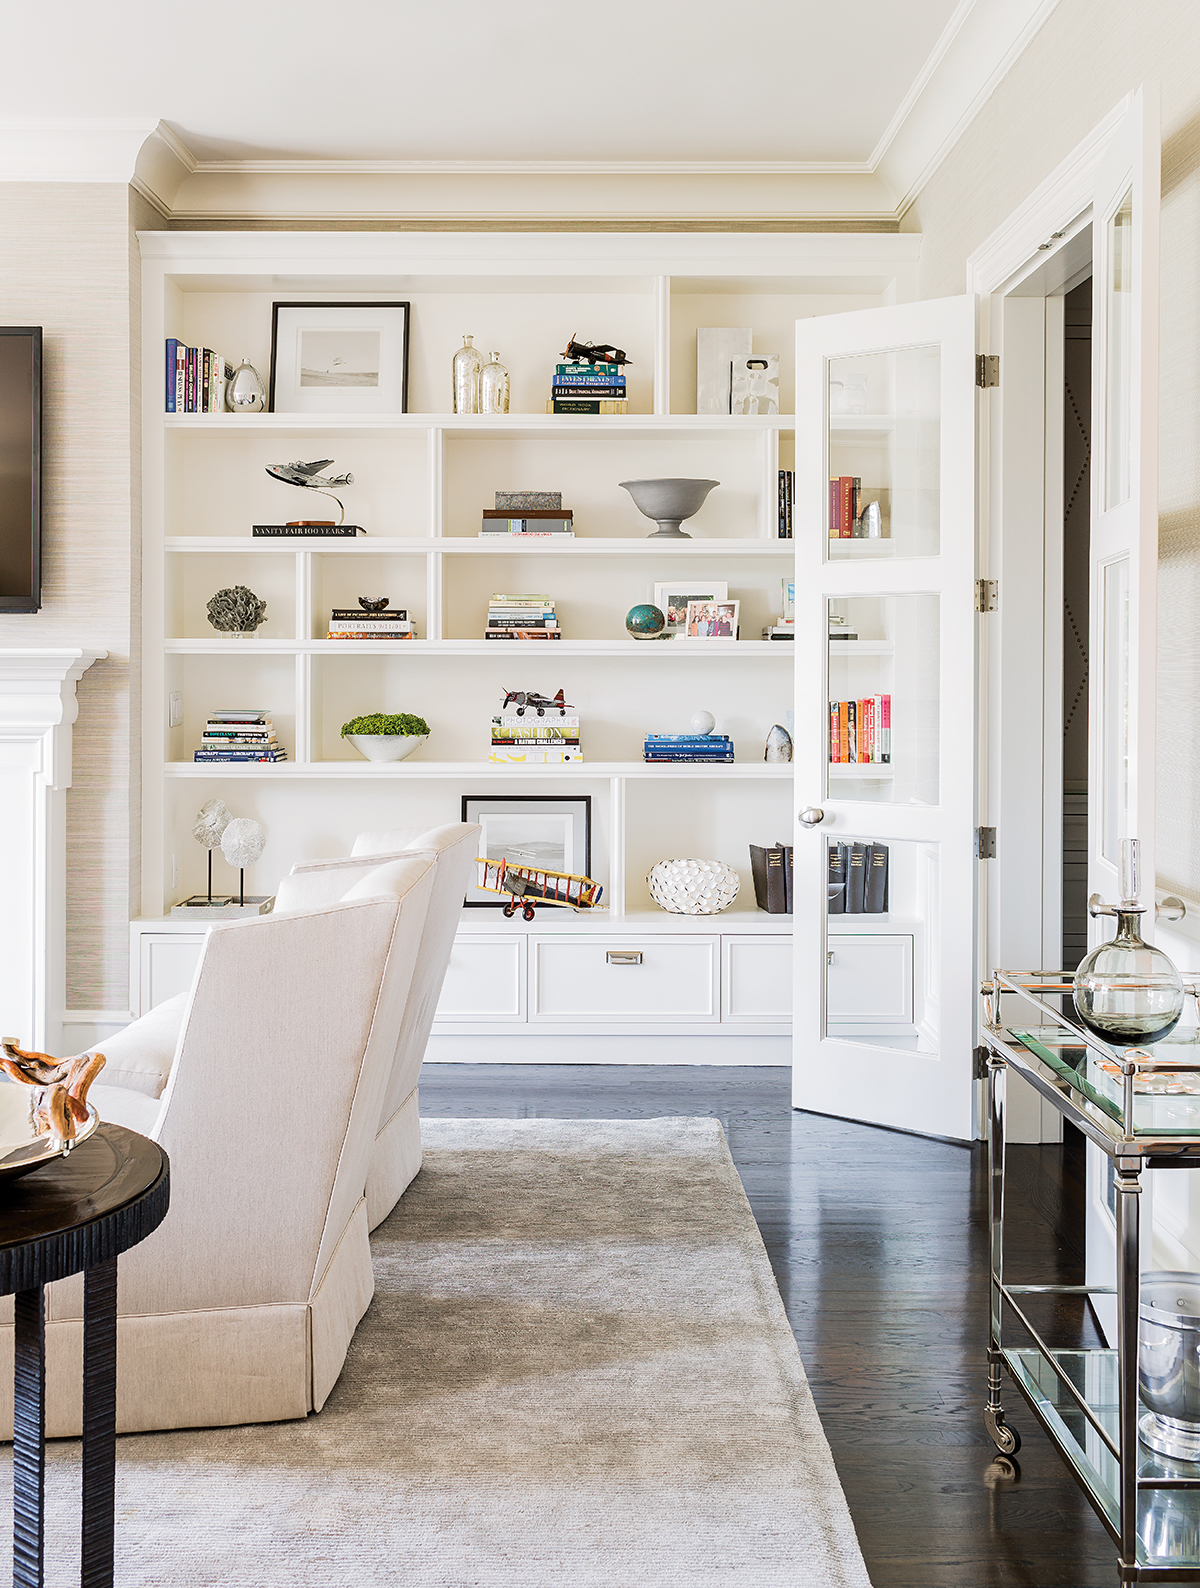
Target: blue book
(605, 371)
(172, 344)
(715, 740)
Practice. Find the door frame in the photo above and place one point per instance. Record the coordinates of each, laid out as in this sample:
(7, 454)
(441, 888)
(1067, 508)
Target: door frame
(1019, 277)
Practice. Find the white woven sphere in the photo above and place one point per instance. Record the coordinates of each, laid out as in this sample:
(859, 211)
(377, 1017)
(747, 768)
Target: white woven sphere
(693, 887)
(211, 821)
(243, 841)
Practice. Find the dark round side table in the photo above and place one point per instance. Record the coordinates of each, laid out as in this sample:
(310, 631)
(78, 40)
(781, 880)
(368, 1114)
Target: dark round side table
(75, 1215)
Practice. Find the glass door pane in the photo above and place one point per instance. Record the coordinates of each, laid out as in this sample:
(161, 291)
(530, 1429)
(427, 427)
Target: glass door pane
(1118, 310)
(884, 429)
(1114, 708)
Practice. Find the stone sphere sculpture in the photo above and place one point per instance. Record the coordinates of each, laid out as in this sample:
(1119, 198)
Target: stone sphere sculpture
(702, 722)
(212, 819)
(693, 887)
(236, 610)
(242, 842)
(645, 622)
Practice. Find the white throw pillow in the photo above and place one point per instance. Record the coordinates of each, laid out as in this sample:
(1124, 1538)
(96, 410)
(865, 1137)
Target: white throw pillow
(140, 1057)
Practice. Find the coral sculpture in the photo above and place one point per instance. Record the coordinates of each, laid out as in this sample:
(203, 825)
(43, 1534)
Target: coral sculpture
(242, 842)
(58, 1089)
(212, 819)
(236, 610)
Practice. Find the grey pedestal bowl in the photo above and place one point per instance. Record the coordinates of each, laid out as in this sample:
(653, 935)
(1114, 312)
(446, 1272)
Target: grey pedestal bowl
(669, 502)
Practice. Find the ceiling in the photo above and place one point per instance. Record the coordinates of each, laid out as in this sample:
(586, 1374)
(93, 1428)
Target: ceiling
(772, 86)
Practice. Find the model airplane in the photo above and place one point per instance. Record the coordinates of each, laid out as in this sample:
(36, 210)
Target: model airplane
(594, 353)
(528, 886)
(528, 700)
(306, 476)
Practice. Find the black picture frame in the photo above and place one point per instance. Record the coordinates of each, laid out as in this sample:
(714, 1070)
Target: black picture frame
(21, 447)
(355, 306)
(505, 804)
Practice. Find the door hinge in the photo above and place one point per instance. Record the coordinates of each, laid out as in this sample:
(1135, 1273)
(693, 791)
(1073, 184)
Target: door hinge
(987, 369)
(985, 843)
(987, 595)
(979, 1066)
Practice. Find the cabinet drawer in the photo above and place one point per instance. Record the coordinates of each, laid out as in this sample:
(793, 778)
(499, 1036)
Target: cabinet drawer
(168, 963)
(676, 978)
(869, 980)
(485, 979)
(756, 978)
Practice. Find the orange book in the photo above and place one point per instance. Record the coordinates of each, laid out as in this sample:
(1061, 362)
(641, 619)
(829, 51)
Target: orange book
(844, 731)
(835, 735)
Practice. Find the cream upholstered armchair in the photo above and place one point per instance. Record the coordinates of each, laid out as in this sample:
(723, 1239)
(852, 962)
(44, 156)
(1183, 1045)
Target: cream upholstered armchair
(397, 1153)
(241, 1306)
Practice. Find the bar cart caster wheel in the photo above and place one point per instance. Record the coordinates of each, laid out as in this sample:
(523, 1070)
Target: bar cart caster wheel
(1006, 1440)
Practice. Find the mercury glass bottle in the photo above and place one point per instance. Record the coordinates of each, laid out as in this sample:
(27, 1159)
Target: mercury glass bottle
(245, 393)
(493, 385)
(466, 368)
(1127, 991)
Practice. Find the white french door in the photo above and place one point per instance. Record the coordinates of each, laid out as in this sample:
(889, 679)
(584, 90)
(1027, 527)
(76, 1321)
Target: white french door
(1124, 559)
(885, 716)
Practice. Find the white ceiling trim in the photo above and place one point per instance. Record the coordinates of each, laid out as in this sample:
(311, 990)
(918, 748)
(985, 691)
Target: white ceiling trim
(71, 150)
(533, 167)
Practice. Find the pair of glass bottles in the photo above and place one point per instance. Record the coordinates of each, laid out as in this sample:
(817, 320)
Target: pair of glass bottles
(479, 388)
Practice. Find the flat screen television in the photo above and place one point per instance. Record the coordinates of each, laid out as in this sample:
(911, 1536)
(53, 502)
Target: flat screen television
(20, 468)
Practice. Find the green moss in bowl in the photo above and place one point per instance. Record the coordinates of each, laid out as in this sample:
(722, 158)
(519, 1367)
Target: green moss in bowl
(383, 737)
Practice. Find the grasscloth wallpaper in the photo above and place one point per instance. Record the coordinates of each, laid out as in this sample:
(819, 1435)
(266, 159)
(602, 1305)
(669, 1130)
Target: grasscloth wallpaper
(68, 263)
(1087, 55)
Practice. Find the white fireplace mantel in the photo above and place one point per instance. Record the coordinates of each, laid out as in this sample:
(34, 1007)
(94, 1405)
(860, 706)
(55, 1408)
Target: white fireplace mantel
(37, 709)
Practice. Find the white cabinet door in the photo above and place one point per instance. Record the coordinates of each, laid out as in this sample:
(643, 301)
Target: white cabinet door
(485, 979)
(168, 963)
(885, 406)
(756, 979)
(651, 979)
(1124, 563)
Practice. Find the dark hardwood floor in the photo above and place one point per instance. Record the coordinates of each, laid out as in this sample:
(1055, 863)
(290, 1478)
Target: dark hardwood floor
(879, 1245)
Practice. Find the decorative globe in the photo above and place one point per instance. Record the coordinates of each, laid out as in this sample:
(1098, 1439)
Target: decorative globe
(693, 887)
(645, 622)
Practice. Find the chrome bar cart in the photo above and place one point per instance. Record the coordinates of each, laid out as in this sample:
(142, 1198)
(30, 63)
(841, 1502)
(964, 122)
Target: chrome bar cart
(1141, 1108)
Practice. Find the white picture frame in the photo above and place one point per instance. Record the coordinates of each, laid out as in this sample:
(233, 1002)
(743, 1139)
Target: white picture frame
(339, 358)
(672, 597)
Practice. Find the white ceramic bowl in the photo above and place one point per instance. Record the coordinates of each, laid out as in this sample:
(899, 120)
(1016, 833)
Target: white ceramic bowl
(387, 746)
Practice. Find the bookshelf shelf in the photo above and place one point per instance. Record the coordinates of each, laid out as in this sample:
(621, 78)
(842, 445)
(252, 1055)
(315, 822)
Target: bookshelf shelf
(860, 771)
(487, 427)
(463, 546)
(688, 650)
(412, 770)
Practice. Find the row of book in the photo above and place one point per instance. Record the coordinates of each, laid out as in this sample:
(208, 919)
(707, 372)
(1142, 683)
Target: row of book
(588, 389)
(239, 734)
(787, 502)
(687, 747)
(858, 879)
(533, 741)
(521, 617)
(772, 869)
(861, 730)
(349, 623)
(196, 379)
(545, 524)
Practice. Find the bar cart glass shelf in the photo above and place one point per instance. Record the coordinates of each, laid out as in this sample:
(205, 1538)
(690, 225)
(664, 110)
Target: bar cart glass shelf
(1141, 1107)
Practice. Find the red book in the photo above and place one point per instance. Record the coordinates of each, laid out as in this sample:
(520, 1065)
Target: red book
(835, 507)
(886, 712)
(846, 514)
(835, 737)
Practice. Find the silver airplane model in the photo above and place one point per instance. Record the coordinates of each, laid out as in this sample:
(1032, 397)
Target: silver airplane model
(308, 477)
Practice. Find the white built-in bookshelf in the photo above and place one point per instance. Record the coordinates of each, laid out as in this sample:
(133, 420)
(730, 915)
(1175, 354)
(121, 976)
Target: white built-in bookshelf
(421, 481)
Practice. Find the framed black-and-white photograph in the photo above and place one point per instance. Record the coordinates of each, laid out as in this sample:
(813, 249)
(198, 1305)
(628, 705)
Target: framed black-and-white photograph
(347, 358)
(548, 832)
(672, 599)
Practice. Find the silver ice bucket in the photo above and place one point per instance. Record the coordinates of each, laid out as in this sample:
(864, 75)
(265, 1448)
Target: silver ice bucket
(1169, 1364)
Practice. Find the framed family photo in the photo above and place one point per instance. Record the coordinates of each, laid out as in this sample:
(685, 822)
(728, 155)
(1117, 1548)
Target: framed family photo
(550, 833)
(348, 358)
(672, 599)
(712, 620)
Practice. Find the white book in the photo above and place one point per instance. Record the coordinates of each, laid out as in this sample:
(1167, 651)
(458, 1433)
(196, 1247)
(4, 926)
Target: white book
(515, 756)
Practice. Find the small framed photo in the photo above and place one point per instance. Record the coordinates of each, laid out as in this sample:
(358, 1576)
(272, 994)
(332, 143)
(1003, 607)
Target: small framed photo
(672, 599)
(712, 620)
(347, 358)
(550, 832)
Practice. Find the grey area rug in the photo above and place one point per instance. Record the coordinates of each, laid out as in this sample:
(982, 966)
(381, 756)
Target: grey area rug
(576, 1373)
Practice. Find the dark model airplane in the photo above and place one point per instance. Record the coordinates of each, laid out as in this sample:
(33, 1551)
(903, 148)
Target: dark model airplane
(527, 700)
(595, 353)
(307, 474)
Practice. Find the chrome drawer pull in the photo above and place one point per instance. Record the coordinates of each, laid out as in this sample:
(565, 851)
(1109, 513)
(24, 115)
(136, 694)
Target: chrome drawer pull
(624, 956)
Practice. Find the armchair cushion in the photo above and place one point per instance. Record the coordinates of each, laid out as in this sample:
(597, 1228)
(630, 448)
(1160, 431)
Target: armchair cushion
(139, 1058)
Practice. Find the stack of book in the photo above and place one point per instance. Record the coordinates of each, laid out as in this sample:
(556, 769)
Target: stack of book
(844, 492)
(861, 730)
(780, 631)
(239, 734)
(688, 747)
(772, 870)
(555, 523)
(548, 740)
(347, 623)
(587, 389)
(787, 501)
(521, 617)
(196, 379)
(858, 879)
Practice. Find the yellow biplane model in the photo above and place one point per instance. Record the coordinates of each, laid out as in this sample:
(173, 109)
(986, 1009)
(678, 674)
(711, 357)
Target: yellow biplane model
(527, 886)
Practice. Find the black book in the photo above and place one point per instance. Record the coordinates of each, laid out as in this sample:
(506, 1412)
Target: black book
(770, 883)
(788, 873)
(305, 531)
(837, 879)
(856, 879)
(388, 615)
(877, 879)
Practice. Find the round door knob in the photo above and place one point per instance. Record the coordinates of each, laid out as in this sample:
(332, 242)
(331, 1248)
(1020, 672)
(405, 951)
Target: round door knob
(811, 816)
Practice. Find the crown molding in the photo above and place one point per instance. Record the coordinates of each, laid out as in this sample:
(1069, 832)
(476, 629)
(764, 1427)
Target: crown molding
(70, 150)
(489, 168)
